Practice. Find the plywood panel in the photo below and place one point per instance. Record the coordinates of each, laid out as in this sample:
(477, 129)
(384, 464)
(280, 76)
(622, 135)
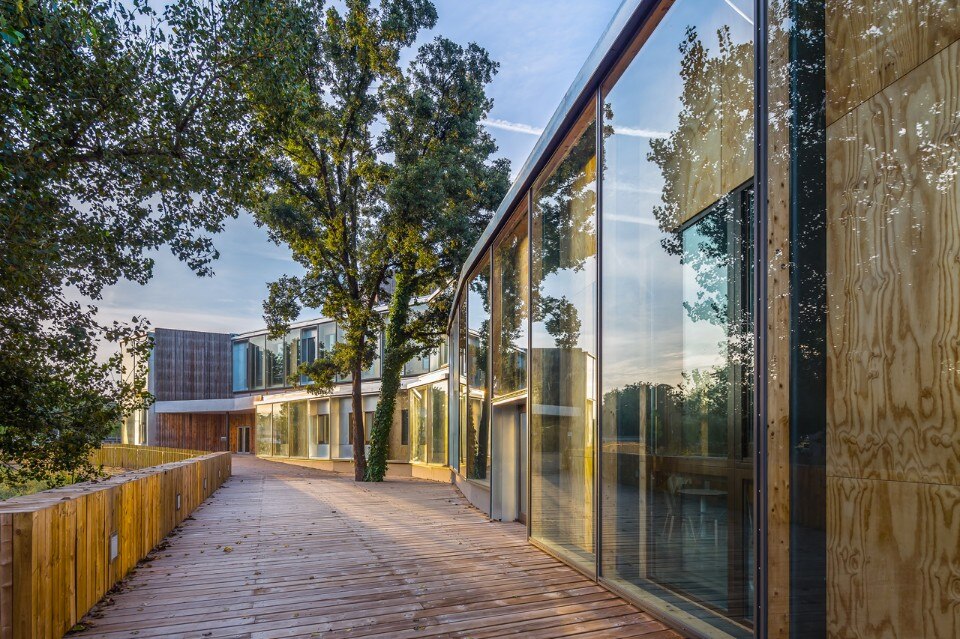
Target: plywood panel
(873, 43)
(894, 286)
(893, 559)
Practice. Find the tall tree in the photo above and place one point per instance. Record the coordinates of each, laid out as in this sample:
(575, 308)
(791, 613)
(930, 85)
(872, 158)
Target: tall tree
(324, 195)
(442, 190)
(121, 131)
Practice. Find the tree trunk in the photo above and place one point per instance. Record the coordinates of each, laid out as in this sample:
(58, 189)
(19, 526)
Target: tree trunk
(395, 355)
(359, 456)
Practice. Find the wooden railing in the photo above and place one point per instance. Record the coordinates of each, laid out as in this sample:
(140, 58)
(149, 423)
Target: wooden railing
(61, 550)
(137, 457)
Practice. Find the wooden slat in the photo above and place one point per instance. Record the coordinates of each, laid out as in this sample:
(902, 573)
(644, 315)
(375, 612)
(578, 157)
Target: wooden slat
(312, 552)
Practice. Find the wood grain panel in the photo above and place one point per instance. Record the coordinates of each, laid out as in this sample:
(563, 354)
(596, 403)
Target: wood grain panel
(198, 431)
(191, 365)
(894, 287)
(873, 43)
(737, 116)
(893, 559)
(778, 328)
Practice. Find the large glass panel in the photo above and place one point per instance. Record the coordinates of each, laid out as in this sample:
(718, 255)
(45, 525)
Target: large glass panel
(291, 357)
(308, 350)
(563, 359)
(281, 430)
(511, 281)
(437, 450)
(265, 430)
(374, 371)
(478, 383)
(419, 426)
(240, 372)
(273, 362)
(326, 336)
(299, 430)
(462, 385)
(255, 347)
(677, 334)
(439, 356)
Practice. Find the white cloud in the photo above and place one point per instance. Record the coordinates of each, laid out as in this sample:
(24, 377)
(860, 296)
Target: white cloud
(516, 127)
(639, 133)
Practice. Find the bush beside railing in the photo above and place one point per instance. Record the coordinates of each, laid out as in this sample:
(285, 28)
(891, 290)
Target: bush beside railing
(137, 457)
(58, 553)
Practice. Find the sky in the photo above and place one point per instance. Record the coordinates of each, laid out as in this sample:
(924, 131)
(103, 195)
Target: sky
(540, 45)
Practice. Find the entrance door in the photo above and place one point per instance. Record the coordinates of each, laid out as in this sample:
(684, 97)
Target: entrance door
(243, 439)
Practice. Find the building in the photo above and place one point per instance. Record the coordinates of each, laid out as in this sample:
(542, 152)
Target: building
(707, 349)
(716, 321)
(217, 391)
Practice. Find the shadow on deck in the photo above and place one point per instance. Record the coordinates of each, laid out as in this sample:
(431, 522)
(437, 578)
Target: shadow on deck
(282, 551)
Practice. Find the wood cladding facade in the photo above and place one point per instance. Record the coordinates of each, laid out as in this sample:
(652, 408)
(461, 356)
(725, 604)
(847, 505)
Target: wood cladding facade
(893, 319)
(190, 365)
(200, 431)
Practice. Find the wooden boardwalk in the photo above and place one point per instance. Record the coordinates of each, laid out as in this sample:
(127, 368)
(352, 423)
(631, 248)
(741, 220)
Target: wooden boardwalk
(287, 551)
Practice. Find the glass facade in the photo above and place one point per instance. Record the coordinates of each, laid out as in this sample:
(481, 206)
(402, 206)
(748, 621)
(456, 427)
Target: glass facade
(477, 431)
(563, 352)
(511, 282)
(677, 342)
(260, 363)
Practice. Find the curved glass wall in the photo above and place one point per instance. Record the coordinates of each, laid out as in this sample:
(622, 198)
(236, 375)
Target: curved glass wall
(478, 380)
(677, 336)
(511, 282)
(461, 383)
(562, 410)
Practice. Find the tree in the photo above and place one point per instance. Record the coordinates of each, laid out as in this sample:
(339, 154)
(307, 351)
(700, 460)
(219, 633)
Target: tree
(324, 194)
(121, 131)
(441, 192)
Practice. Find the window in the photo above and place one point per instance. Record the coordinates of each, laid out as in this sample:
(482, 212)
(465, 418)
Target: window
(240, 371)
(405, 427)
(677, 332)
(511, 281)
(563, 357)
(308, 350)
(274, 362)
(478, 383)
(255, 349)
(367, 426)
(299, 430)
(291, 357)
(323, 428)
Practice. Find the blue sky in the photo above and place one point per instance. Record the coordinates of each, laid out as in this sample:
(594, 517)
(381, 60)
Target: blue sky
(540, 45)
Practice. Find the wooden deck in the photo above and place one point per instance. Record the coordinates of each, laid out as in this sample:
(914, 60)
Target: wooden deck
(287, 551)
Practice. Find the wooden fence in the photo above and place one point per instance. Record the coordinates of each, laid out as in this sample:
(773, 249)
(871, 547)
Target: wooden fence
(61, 550)
(137, 457)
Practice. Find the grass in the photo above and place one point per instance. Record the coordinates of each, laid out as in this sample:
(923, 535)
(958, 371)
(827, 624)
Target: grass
(8, 491)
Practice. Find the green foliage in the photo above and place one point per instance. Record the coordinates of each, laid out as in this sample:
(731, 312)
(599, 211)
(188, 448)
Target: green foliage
(121, 131)
(361, 211)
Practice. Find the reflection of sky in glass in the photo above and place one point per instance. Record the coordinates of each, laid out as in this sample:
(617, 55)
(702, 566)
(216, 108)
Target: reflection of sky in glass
(647, 335)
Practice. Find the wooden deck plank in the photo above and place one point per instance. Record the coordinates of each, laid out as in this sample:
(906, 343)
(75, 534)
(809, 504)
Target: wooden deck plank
(288, 551)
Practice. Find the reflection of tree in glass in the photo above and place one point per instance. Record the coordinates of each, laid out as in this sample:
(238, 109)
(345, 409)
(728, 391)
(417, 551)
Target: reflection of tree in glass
(478, 362)
(692, 417)
(566, 203)
(511, 261)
